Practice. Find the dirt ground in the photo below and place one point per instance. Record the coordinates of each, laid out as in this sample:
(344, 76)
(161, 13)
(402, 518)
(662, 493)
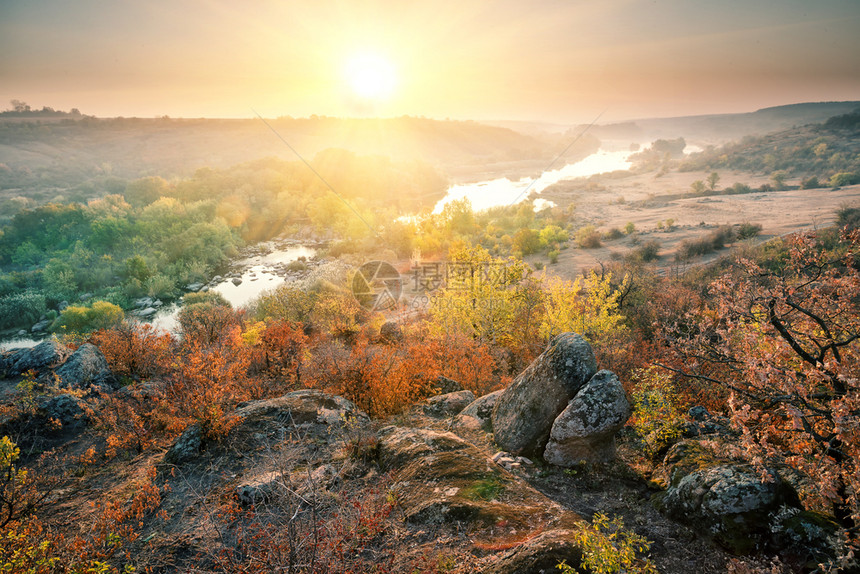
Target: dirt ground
(645, 200)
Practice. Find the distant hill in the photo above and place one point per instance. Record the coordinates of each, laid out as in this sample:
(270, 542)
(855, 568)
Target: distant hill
(721, 128)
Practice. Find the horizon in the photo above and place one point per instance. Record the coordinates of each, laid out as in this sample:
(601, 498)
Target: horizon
(35, 109)
(548, 62)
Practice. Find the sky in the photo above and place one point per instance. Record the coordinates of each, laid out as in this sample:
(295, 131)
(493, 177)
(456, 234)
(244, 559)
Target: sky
(562, 61)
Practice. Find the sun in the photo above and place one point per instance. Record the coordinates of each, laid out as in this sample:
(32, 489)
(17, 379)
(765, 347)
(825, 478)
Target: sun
(370, 76)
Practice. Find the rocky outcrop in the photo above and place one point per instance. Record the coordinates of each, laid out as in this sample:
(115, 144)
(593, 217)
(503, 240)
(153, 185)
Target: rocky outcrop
(308, 413)
(585, 430)
(525, 412)
(68, 410)
(442, 479)
(731, 501)
(44, 355)
(86, 367)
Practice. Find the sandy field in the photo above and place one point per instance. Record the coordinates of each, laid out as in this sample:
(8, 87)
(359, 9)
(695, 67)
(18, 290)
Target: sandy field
(607, 202)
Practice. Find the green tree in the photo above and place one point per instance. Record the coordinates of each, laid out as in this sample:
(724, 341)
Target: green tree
(697, 187)
(713, 180)
(528, 241)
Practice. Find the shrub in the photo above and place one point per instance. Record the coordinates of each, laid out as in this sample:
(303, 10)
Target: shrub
(848, 216)
(810, 183)
(648, 251)
(747, 230)
(844, 178)
(607, 548)
(613, 233)
(587, 237)
(553, 256)
(629, 228)
(79, 319)
(657, 417)
(21, 309)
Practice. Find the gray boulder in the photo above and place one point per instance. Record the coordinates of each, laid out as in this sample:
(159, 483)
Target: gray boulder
(478, 414)
(390, 332)
(447, 405)
(67, 409)
(524, 413)
(86, 367)
(45, 354)
(585, 430)
(731, 501)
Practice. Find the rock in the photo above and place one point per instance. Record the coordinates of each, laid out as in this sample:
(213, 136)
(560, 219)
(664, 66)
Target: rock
(728, 500)
(525, 411)
(444, 479)
(236, 281)
(148, 312)
(539, 555)
(41, 326)
(62, 306)
(193, 287)
(447, 385)
(67, 409)
(390, 332)
(311, 414)
(86, 367)
(447, 405)
(698, 413)
(186, 447)
(143, 302)
(45, 354)
(585, 430)
(478, 414)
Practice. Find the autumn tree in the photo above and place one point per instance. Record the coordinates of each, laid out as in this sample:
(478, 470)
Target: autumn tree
(783, 337)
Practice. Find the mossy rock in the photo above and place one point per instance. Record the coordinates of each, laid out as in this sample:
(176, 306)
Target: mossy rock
(730, 501)
(442, 479)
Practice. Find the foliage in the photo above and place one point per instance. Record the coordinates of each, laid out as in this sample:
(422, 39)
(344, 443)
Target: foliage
(785, 340)
(21, 308)
(78, 319)
(587, 237)
(657, 416)
(609, 548)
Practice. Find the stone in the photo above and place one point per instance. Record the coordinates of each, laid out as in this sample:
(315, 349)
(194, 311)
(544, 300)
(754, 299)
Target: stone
(148, 312)
(41, 326)
(447, 385)
(67, 409)
(524, 413)
(86, 367)
(585, 430)
(186, 447)
(731, 501)
(236, 281)
(45, 354)
(478, 414)
(193, 286)
(447, 405)
(540, 554)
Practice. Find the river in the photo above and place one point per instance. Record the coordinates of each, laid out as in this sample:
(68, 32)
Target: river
(266, 267)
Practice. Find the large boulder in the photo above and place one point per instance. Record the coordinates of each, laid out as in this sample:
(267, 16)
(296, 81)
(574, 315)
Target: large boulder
(524, 413)
(478, 413)
(86, 367)
(44, 355)
(585, 430)
(734, 502)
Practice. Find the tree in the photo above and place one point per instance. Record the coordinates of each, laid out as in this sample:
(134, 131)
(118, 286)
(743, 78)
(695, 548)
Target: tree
(784, 340)
(527, 241)
(777, 179)
(713, 180)
(697, 187)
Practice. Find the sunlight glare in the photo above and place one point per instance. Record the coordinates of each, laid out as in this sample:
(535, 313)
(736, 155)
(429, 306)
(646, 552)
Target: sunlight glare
(370, 76)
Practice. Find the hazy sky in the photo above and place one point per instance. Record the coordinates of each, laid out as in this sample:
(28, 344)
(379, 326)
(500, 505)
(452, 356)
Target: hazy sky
(558, 60)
